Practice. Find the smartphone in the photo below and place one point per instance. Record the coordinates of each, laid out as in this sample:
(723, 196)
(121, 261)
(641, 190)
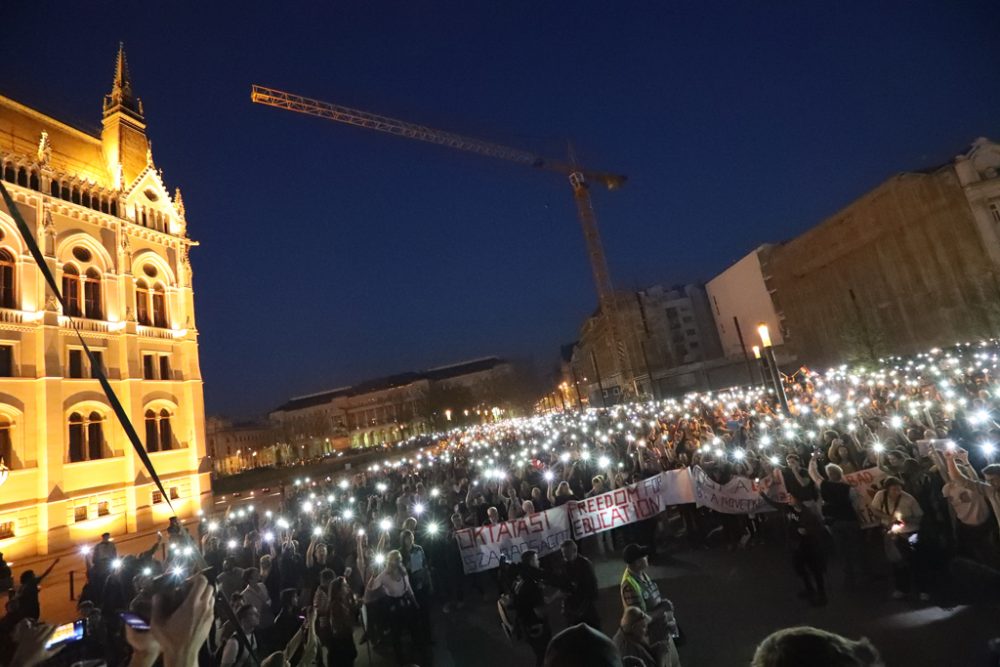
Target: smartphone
(135, 621)
(67, 633)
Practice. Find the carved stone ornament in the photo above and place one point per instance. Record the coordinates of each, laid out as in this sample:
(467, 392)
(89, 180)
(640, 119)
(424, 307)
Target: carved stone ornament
(44, 149)
(51, 304)
(129, 315)
(47, 225)
(126, 245)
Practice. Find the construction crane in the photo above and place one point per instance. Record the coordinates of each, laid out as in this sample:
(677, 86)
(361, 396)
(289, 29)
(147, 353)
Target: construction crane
(579, 179)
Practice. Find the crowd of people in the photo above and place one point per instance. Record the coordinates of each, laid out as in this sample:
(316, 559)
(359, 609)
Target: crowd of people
(358, 560)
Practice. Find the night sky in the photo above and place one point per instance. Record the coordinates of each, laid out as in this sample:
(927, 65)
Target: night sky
(331, 254)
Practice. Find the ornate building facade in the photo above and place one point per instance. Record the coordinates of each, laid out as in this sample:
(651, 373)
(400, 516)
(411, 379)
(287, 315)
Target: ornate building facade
(236, 447)
(117, 242)
(390, 409)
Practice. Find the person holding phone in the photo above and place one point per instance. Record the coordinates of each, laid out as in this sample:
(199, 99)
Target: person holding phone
(25, 603)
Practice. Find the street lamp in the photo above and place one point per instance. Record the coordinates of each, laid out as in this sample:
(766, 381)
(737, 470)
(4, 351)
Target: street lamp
(772, 365)
(765, 334)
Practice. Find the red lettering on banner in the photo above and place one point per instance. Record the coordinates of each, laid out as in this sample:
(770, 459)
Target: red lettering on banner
(504, 529)
(465, 539)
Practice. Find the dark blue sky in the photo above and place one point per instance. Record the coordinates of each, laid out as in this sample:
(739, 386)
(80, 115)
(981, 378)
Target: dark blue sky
(330, 254)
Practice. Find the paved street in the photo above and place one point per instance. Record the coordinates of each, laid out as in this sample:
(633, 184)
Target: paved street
(727, 602)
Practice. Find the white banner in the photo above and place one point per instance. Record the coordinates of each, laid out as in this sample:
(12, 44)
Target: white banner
(740, 495)
(543, 532)
(635, 502)
(866, 482)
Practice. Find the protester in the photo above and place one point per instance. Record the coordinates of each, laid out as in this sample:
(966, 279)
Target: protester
(581, 646)
(394, 584)
(234, 652)
(579, 605)
(25, 603)
(796, 647)
(841, 505)
(900, 515)
(810, 540)
(634, 646)
(530, 604)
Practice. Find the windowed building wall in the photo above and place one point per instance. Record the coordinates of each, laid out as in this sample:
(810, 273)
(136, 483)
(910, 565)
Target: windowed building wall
(116, 242)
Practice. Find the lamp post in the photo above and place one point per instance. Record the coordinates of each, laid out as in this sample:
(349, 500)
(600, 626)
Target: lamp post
(772, 364)
(761, 367)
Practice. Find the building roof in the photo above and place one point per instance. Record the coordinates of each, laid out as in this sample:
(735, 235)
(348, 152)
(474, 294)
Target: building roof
(392, 381)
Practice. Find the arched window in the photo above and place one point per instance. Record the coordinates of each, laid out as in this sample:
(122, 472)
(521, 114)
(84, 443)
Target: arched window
(95, 436)
(166, 434)
(75, 197)
(6, 444)
(104, 205)
(33, 180)
(71, 290)
(142, 303)
(114, 208)
(9, 174)
(159, 294)
(92, 295)
(8, 297)
(86, 437)
(22, 177)
(85, 199)
(64, 192)
(76, 438)
(152, 434)
(159, 432)
(54, 188)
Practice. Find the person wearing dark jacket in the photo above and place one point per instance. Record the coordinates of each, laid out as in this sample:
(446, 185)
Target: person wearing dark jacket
(810, 539)
(25, 602)
(530, 602)
(579, 604)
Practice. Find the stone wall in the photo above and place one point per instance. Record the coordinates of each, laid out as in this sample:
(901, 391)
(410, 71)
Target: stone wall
(900, 270)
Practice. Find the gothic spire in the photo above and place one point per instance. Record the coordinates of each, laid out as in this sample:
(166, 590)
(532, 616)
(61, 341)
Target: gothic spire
(179, 203)
(121, 97)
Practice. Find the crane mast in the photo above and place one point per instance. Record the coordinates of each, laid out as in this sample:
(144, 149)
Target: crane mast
(579, 179)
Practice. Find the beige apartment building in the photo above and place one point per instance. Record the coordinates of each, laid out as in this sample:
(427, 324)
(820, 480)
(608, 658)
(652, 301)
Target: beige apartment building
(116, 240)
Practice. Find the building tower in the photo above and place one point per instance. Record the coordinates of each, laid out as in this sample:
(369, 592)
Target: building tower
(117, 242)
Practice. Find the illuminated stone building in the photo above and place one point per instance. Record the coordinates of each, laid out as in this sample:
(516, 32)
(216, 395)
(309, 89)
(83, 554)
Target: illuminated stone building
(236, 447)
(116, 240)
(388, 409)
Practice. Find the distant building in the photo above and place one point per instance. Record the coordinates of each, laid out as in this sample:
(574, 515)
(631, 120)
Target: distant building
(912, 264)
(390, 409)
(116, 240)
(236, 447)
(740, 295)
(670, 332)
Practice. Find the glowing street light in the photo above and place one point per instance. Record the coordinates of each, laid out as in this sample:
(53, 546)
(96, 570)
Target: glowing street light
(765, 334)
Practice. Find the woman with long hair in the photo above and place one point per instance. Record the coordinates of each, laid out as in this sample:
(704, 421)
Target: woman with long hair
(394, 584)
(343, 606)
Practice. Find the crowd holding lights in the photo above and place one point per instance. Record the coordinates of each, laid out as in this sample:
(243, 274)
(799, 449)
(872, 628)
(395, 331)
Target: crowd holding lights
(873, 410)
(861, 417)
